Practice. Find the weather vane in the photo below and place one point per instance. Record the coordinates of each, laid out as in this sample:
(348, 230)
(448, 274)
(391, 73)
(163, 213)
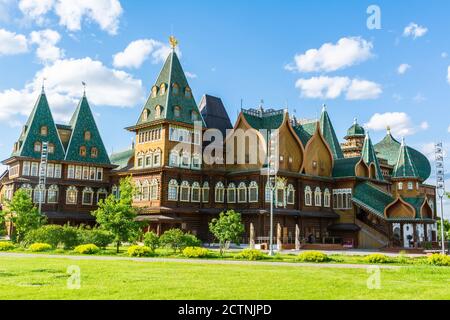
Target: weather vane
(173, 42)
(84, 87)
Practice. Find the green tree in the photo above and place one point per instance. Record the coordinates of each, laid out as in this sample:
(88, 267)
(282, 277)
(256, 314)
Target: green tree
(118, 215)
(23, 214)
(151, 240)
(228, 227)
(446, 229)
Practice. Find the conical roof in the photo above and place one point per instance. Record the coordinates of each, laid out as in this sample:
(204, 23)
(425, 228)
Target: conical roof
(329, 134)
(356, 130)
(405, 167)
(369, 156)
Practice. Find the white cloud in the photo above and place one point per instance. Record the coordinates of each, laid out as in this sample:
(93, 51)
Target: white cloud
(444, 55)
(105, 87)
(72, 13)
(12, 43)
(403, 68)
(46, 41)
(140, 50)
(5, 7)
(419, 98)
(190, 75)
(400, 123)
(448, 74)
(448, 129)
(331, 57)
(414, 30)
(324, 87)
(362, 90)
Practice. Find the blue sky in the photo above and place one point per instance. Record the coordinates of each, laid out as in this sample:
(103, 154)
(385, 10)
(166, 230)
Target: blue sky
(235, 50)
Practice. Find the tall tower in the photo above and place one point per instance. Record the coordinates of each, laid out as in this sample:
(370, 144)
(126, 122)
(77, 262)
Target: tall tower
(354, 141)
(405, 175)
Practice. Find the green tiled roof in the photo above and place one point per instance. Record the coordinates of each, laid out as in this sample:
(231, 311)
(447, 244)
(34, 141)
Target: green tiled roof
(40, 116)
(355, 130)
(371, 198)
(417, 203)
(82, 121)
(305, 131)
(260, 119)
(369, 156)
(329, 134)
(171, 73)
(404, 168)
(121, 158)
(345, 167)
(389, 149)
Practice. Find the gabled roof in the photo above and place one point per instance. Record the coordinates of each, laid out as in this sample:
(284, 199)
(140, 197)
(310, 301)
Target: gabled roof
(345, 167)
(264, 119)
(405, 168)
(171, 73)
(39, 117)
(369, 156)
(82, 121)
(389, 149)
(371, 198)
(214, 114)
(305, 131)
(329, 134)
(122, 158)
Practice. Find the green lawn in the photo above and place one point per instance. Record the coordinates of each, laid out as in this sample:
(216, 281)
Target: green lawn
(44, 278)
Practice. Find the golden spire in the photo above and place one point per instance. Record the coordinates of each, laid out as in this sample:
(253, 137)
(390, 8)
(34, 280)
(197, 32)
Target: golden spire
(173, 42)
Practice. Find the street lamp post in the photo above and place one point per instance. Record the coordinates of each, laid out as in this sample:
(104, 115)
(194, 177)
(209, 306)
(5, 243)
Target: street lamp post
(272, 168)
(440, 186)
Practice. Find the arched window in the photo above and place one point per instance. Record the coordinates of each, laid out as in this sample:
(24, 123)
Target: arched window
(195, 194)
(205, 192)
(44, 131)
(83, 151)
(87, 136)
(176, 88)
(154, 189)
(196, 161)
(39, 194)
(157, 158)
(88, 196)
(145, 190)
(94, 152)
(177, 111)
(253, 192)
(242, 192)
(308, 196)
(71, 195)
(317, 197)
(410, 185)
(101, 194)
(184, 191)
(290, 194)
(162, 91)
(145, 114)
(400, 186)
(174, 159)
(137, 191)
(186, 160)
(172, 192)
(37, 146)
(51, 148)
(188, 92)
(280, 193)
(231, 193)
(219, 192)
(326, 198)
(28, 189)
(154, 91)
(268, 192)
(148, 159)
(52, 195)
(158, 111)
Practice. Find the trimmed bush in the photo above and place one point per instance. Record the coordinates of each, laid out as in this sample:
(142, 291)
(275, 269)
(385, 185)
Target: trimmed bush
(439, 259)
(139, 251)
(51, 234)
(177, 240)
(250, 254)
(40, 247)
(70, 237)
(6, 246)
(195, 252)
(191, 241)
(313, 256)
(151, 240)
(87, 249)
(100, 238)
(377, 258)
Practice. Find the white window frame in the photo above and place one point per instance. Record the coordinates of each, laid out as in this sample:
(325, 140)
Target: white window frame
(219, 191)
(196, 186)
(72, 189)
(145, 195)
(185, 156)
(156, 158)
(99, 176)
(87, 190)
(317, 197)
(410, 186)
(326, 198)
(253, 186)
(71, 172)
(172, 190)
(50, 170)
(58, 171)
(154, 189)
(26, 166)
(85, 173)
(174, 159)
(342, 199)
(92, 174)
(205, 189)
(185, 185)
(34, 171)
(308, 196)
(53, 190)
(101, 191)
(242, 187)
(231, 190)
(290, 191)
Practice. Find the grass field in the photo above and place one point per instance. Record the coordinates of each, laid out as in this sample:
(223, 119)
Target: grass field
(45, 278)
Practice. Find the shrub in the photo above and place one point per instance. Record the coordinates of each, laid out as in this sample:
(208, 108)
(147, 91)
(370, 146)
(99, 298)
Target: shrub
(6, 246)
(101, 238)
(191, 241)
(250, 254)
(39, 247)
(151, 240)
(87, 249)
(195, 252)
(377, 258)
(439, 259)
(51, 234)
(177, 240)
(139, 251)
(313, 256)
(70, 237)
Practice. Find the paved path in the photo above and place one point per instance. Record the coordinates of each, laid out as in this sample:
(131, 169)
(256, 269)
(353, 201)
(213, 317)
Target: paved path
(195, 261)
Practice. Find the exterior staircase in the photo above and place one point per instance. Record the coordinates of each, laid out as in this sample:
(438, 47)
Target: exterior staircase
(370, 237)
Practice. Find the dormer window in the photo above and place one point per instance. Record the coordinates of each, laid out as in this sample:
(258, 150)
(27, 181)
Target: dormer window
(410, 186)
(177, 111)
(37, 146)
(154, 91)
(44, 131)
(94, 152)
(400, 186)
(194, 116)
(145, 114)
(51, 148)
(83, 151)
(87, 136)
(158, 111)
(176, 88)
(188, 92)
(162, 91)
